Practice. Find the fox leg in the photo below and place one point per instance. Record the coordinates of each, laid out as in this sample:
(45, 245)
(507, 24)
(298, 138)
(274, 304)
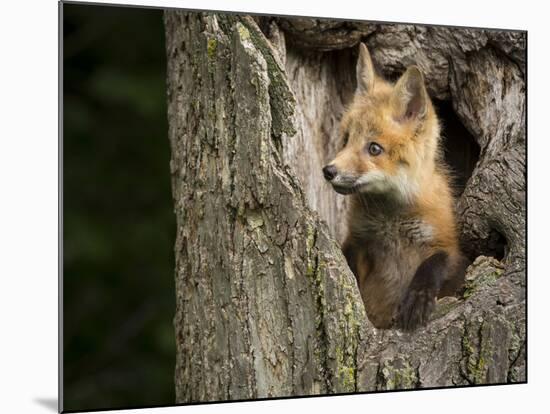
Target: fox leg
(419, 299)
(454, 284)
(350, 253)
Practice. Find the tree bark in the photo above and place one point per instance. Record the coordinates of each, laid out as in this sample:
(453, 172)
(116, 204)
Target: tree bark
(266, 304)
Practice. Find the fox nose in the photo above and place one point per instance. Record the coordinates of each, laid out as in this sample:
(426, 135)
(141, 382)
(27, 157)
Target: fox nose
(330, 171)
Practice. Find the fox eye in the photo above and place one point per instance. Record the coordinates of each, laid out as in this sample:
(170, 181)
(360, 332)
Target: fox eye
(375, 149)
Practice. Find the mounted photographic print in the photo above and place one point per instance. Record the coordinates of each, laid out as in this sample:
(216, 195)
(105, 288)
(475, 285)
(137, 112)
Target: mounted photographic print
(265, 206)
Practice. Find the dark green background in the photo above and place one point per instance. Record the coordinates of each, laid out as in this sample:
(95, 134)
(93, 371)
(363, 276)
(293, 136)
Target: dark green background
(119, 226)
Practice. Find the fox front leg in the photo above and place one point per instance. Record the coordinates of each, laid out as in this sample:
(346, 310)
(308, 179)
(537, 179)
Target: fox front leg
(350, 253)
(419, 299)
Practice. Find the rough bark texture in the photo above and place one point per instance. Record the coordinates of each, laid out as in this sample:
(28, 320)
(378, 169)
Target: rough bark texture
(266, 305)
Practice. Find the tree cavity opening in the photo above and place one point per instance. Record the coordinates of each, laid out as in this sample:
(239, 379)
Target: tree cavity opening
(460, 149)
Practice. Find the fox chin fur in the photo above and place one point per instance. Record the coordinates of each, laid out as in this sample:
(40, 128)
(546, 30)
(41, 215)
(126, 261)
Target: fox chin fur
(402, 242)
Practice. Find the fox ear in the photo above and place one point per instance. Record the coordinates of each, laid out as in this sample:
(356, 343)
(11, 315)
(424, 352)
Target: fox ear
(410, 98)
(365, 71)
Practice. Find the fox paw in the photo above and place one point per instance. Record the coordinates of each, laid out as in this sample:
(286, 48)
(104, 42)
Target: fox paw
(415, 309)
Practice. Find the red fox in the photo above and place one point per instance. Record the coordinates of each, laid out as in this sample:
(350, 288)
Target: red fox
(402, 241)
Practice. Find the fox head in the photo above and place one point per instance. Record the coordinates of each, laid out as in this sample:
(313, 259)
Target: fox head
(388, 135)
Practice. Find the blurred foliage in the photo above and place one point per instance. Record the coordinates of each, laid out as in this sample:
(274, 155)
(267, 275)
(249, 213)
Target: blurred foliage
(119, 227)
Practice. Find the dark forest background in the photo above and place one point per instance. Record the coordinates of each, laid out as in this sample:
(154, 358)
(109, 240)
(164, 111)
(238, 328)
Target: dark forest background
(117, 210)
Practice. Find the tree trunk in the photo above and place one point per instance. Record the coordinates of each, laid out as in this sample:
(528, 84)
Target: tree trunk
(266, 304)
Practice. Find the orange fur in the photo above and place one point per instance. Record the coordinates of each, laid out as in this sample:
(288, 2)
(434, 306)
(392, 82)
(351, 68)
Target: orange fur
(402, 205)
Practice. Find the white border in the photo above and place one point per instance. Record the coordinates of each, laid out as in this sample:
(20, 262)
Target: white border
(29, 191)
